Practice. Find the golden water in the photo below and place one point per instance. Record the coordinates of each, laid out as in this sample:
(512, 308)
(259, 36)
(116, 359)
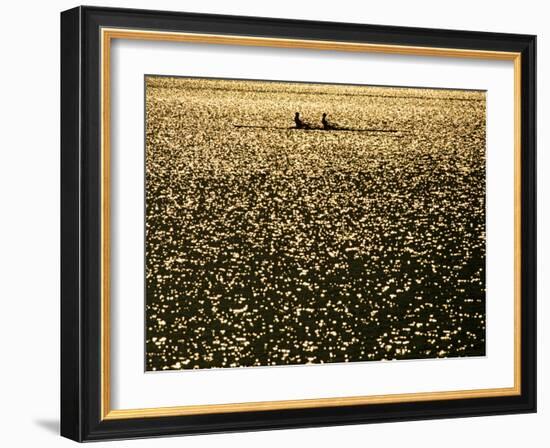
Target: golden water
(268, 245)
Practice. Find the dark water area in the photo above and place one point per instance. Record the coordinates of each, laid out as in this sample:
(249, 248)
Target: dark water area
(276, 246)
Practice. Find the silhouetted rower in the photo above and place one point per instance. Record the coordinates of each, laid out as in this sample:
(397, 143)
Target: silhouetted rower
(326, 124)
(298, 121)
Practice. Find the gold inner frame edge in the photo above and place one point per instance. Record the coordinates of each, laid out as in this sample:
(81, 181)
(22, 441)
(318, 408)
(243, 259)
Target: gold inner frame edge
(107, 35)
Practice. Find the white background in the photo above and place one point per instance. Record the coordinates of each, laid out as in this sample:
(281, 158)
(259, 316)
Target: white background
(29, 235)
(133, 388)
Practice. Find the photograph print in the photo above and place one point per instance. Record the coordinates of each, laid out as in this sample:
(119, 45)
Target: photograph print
(302, 223)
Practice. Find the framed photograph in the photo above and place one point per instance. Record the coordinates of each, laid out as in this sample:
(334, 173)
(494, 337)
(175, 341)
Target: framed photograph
(273, 223)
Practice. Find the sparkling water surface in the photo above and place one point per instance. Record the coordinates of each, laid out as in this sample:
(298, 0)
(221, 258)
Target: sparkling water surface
(268, 245)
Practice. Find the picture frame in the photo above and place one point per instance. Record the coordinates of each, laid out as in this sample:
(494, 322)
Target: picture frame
(87, 386)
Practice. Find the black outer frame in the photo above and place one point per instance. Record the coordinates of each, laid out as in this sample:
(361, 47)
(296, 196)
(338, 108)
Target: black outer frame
(81, 223)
